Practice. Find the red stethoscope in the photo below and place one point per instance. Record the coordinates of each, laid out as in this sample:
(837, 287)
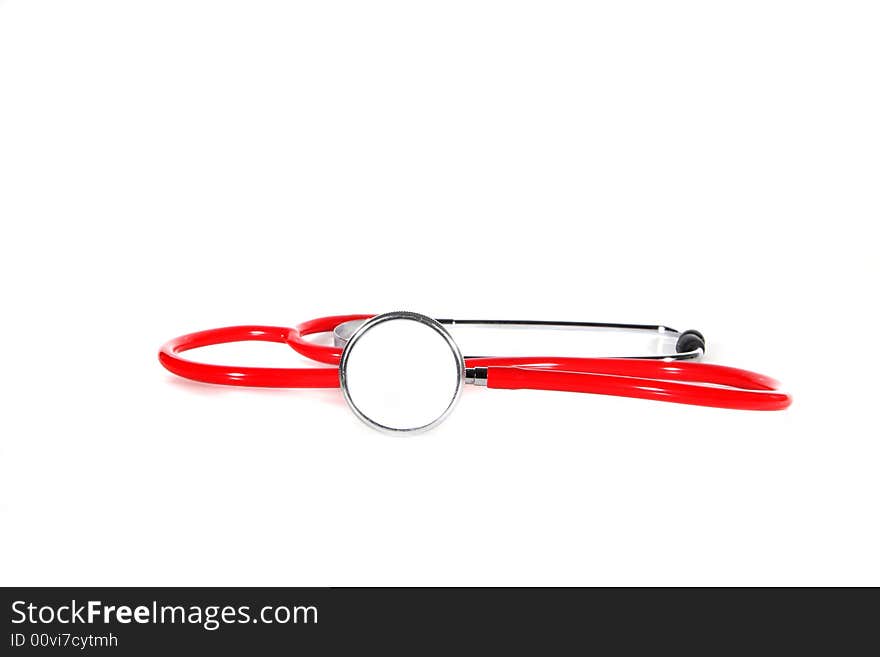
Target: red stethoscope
(406, 343)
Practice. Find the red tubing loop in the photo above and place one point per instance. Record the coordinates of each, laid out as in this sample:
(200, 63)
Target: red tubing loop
(260, 377)
(700, 384)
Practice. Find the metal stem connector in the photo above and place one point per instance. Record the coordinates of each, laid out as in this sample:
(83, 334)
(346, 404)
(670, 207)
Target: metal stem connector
(479, 376)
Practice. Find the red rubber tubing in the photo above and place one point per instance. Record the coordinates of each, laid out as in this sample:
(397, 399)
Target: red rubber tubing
(260, 377)
(634, 367)
(701, 384)
(753, 392)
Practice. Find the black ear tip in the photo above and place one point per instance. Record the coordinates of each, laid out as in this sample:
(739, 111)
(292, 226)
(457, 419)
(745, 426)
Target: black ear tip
(690, 340)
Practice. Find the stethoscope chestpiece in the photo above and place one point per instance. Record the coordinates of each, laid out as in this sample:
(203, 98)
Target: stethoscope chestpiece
(401, 372)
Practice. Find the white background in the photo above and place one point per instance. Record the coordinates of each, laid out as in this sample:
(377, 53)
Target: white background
(172, 166)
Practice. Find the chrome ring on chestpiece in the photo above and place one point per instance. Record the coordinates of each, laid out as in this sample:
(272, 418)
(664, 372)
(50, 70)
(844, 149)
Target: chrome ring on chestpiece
(455, 364)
